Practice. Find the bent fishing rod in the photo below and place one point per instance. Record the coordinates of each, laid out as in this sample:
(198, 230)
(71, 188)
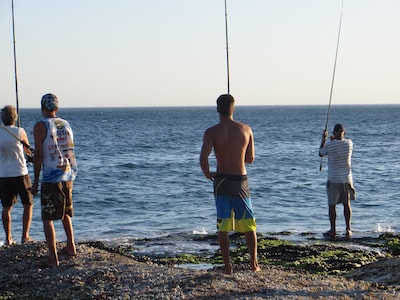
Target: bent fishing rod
(15, 65)
(333, 76)
(227, 47)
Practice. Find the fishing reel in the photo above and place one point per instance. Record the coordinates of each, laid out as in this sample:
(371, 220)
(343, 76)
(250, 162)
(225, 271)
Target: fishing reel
(29, 157)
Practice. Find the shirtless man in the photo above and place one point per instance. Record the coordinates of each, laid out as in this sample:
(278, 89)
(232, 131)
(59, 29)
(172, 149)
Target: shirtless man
(233, 146)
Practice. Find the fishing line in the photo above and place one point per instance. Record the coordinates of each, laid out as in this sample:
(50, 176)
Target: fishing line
(333, 76)
(17, 137)
(29, 156)
(15, 65)
(227, 47)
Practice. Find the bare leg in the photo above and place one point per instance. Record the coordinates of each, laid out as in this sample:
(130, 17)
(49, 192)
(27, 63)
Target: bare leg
(6, 217)
(26, 223)
(347, 217)
(50, 234)
(223, 239)
(251, 240)
(67, 223)
(332, 218)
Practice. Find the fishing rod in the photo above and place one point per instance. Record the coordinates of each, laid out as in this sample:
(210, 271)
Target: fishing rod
(30, 155)
(15, 66)
(227, 47)
(17, 137)
(333, 76)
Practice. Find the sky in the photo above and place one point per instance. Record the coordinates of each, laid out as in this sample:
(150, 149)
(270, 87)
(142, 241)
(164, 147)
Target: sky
(140, 53)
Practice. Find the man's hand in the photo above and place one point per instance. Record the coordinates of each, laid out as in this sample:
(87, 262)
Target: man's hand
(211, 175)
(324, 135)
(34, 188)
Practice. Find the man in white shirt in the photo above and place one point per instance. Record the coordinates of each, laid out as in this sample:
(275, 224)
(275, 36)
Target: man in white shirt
(339, 186)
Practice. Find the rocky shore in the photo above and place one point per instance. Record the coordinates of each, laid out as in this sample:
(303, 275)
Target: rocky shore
(101, 271)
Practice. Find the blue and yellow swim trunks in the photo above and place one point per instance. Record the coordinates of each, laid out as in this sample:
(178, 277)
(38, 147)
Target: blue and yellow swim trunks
(233, 203)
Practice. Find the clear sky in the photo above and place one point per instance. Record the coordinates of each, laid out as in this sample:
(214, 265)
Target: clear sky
(97, 53)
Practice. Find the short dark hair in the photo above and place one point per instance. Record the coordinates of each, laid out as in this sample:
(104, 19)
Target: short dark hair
(225, 104)
(9, 115)
(338, 128)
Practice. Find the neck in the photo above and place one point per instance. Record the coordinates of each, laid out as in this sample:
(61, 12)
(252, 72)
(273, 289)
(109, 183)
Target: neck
(49, 114)
(224, 118)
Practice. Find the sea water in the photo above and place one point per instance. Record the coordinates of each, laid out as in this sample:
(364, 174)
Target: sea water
(139, 179)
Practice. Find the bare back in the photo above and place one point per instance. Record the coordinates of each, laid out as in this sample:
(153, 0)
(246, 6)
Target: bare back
(233, 146)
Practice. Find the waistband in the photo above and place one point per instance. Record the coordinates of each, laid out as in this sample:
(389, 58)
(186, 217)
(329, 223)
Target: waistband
(231, 176)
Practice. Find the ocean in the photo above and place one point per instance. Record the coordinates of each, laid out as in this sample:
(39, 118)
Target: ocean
(139, 180)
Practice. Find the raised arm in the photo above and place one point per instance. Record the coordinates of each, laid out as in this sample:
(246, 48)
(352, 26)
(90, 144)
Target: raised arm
(323, 141)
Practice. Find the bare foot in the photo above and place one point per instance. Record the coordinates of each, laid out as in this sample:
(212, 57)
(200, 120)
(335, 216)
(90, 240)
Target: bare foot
(330, 234)
(10, 242)
(44, 264)
(348, 234)
(255, 267)
(26, 240)
(228, 269)
(64, 251)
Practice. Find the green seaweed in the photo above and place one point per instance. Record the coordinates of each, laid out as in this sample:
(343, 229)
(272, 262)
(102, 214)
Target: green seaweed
(394, 246)
(318, 257)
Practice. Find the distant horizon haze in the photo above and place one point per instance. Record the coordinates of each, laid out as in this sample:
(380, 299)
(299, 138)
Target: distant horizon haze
(133, 53)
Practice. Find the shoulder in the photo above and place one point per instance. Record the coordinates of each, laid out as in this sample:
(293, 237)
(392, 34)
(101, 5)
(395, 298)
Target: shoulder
(213, 129)
(39, 129)
(347, 141)
(15, 130)
(21, 130)
(40, 124)
(63, 121)
(243, 126)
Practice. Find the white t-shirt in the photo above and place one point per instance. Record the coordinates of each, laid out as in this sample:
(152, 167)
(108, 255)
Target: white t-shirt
(12, 159)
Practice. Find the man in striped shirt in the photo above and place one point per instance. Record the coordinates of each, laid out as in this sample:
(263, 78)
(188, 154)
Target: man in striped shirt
(339, 186)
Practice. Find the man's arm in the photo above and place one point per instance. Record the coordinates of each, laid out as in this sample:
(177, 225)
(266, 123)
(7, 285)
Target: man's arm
(205, 153)
(24, 138)
(250, 153)
(323, 141)
(39, 132)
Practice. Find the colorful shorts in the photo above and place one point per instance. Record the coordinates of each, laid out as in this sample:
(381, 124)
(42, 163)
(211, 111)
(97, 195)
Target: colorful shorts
(11, 187)
(233, 203)
(56, 200)
(340, 192)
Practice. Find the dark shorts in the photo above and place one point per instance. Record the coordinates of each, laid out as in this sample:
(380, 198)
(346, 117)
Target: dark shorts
(11, 187)
(233, 203)
(56, 200)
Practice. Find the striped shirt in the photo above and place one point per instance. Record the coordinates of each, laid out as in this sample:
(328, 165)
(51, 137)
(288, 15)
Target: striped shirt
(339, 160)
